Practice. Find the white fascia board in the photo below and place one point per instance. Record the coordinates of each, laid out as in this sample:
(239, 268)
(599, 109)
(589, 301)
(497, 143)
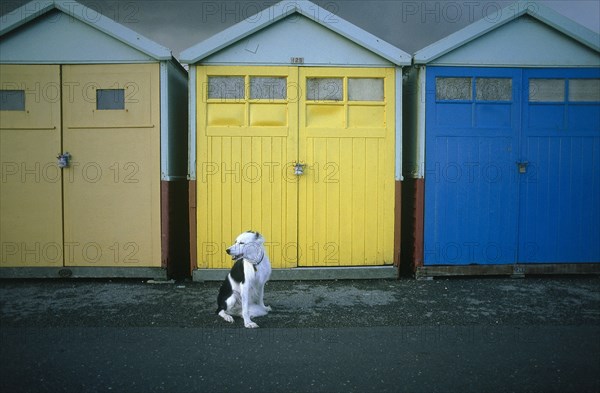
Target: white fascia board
(282, 10)
(115, 30)
(24, 14)
(354, 33)
(231, 35)
(192, 115)
(538, 11)
(463, 36)
(567, 26)
(34, 9)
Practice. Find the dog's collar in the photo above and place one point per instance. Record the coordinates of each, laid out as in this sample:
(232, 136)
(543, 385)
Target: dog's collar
(252, 261)
(255, 263)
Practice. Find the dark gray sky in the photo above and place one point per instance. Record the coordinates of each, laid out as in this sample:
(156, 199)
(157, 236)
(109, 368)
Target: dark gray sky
(409, 25)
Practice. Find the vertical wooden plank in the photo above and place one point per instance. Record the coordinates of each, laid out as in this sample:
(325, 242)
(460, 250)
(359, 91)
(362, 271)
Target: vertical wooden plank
(347, 213)
(373, 200)
(252, 175)
(359, 202)
(236, 226)
(330, 255)
(215, 217)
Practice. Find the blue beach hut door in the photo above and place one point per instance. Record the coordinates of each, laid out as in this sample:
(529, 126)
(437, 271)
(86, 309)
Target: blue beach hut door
(512, 166)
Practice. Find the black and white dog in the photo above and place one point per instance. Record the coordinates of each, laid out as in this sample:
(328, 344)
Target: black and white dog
(241, 293)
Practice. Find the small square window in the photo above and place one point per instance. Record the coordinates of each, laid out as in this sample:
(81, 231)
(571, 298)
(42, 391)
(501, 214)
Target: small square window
(226, 87)
(269, 87)
(493, 89)
(546, 90)
(453, 89)
(584, 90)
(324, 89)
(365, 89)
(12, 100)
(110, 99)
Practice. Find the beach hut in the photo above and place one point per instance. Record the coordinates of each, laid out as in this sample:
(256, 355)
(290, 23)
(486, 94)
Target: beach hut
(93, 147)
(295, 132)
(502, 147)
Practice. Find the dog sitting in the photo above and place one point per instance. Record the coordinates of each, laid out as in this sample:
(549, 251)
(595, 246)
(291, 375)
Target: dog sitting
(242, 292)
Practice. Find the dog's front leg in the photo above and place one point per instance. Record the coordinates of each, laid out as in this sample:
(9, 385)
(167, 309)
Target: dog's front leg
(261, 300)
(246, 307)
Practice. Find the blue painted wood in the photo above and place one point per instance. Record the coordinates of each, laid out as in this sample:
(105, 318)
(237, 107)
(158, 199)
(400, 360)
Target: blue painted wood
(479, 209)
(559, 219)
(470, 184)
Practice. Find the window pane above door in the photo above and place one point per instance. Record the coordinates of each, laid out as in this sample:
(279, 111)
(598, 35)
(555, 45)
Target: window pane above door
(226, 87)
(584, 90)
(365, 89)
(453, 88)
(268, 87)
(324, 89)
(493, 89)
(546, 90)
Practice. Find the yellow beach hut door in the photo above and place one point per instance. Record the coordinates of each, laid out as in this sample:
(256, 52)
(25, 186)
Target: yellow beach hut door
(31, 183)
(346, 199)
(304, 155)
(103, 209)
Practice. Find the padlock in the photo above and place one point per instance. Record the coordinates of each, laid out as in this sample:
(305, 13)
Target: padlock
(63, 160)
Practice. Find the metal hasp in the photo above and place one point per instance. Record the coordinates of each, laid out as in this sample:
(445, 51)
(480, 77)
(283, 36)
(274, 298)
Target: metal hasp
(523, 166)
(299, 168)
(64, 160)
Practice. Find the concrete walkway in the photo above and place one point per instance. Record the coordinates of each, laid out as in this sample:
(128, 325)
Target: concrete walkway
(451, 335)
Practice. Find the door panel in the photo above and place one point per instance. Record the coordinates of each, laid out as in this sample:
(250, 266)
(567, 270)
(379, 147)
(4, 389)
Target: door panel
(250, 135)
(346, 196)
(560, 196)
(471, 183)
(512, 181)
(30, 184)
(112, 187)
(246, 144)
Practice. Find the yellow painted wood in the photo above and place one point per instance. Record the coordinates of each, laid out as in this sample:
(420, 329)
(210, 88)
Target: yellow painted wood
(340, 213)
(112, 189)
(244, 177)
(346, 199)
(30, 183)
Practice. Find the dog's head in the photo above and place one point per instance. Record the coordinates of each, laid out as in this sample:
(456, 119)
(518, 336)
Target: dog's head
(248, 245)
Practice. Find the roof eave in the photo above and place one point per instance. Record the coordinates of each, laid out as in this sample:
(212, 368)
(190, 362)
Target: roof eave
(307, 9)
(23, 15)
(477, 29)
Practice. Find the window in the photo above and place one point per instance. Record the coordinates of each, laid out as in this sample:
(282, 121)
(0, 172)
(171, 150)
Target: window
(226, 87)
(546, 90)
(12, 100)
(268, 87)
(493, 89)
(324, 89)
(110, 99)
(365, 89)
(584, 90)
(453, 89)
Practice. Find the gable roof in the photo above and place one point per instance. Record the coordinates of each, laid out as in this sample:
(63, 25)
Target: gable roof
(500, 18)
(282, 10)
(35, 9)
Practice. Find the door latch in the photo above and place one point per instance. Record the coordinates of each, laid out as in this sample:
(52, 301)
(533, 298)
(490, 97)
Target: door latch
(522, 166)
(299, 168)
(64, 160)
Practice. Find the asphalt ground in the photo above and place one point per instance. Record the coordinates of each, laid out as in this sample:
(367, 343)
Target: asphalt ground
(443, 335)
